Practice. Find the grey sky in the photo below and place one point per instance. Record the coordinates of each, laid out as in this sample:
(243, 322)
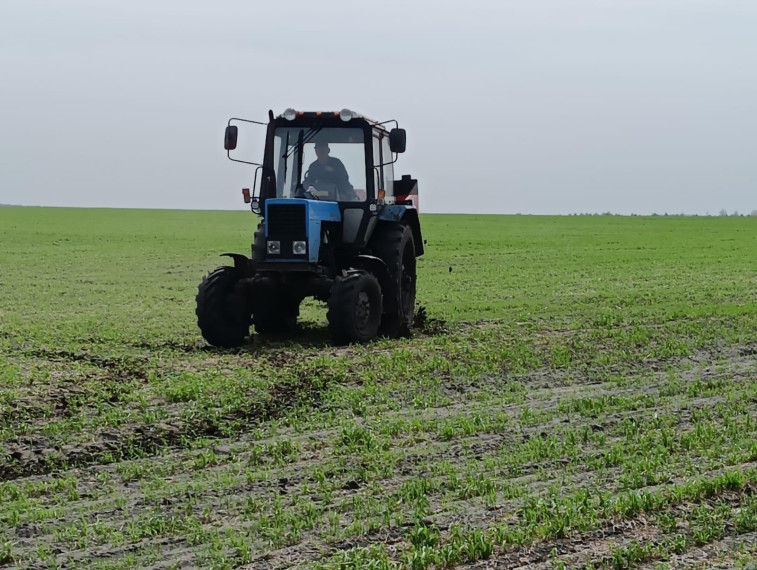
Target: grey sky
(630, 106)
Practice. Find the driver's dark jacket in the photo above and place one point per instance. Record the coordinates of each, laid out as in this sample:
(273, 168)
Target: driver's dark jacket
(332, 172)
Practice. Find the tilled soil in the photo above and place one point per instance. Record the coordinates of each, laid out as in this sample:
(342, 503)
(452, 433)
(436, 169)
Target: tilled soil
(175, 494)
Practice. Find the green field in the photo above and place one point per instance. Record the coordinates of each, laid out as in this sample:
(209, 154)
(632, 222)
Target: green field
(582, 394)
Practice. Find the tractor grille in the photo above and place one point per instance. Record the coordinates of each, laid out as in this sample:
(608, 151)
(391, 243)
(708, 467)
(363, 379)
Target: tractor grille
(286, 221)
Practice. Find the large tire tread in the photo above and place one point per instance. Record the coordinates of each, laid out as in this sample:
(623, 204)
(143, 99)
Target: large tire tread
(222, 315)
(344, 325)
(391, 242)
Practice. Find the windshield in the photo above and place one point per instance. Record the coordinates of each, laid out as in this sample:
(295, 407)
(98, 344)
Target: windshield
(333, 163)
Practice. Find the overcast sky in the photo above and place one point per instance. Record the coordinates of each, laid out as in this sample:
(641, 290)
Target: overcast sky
(559, 106)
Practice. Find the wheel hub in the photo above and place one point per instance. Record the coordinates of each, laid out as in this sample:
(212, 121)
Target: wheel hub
(362, 309)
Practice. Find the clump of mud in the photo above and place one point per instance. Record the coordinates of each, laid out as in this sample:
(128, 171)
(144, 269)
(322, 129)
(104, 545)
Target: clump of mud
(428, 325)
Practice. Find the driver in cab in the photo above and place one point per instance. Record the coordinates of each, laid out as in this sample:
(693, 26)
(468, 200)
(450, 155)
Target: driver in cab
(328, 172)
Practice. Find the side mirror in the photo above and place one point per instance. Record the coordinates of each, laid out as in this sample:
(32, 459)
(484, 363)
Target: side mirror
(397, 140)
(230, 137)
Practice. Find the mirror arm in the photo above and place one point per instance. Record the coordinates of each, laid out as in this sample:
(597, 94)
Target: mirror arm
(246, 121)
(228, 154)
(396, 124)
(255, 200)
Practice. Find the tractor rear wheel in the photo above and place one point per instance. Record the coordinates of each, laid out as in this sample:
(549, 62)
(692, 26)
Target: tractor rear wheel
(394, 244)
(355, 305)
(275, 312)
(223, 313)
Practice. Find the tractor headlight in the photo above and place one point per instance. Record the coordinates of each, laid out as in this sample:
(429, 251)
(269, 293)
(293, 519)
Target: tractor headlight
(274, 247)
(289, 114)
(299, 247)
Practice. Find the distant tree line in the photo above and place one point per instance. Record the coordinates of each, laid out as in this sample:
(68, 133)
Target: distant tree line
(722, 213)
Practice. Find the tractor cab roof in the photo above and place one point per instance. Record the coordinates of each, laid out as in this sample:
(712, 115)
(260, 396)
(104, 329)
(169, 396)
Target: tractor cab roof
(345, 117)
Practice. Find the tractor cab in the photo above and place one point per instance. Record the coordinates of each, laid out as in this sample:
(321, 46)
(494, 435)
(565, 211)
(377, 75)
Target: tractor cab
(341, 157)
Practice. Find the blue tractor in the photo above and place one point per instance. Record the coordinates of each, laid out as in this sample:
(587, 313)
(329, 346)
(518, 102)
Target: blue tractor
(336, 226)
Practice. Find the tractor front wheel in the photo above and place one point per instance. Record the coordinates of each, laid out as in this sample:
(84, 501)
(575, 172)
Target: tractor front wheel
(355, 307)
(223, 313)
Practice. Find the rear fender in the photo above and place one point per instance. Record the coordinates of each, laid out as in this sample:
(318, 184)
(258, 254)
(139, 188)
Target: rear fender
(407, 215)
